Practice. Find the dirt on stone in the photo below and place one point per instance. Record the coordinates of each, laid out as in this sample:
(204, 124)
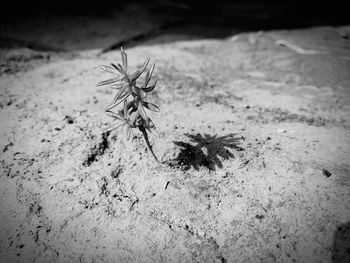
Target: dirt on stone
(254, 144)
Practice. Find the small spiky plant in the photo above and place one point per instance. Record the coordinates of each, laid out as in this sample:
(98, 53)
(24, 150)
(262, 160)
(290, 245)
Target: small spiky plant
(132, 114)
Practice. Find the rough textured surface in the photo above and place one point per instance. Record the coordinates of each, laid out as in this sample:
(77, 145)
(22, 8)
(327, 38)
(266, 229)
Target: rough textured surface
(254, 139)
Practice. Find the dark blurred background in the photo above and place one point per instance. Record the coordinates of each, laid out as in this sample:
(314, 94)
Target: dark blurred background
(250, 14)
(77, 25)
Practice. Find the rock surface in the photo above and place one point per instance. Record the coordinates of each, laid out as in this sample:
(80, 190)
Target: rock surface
(254, 140)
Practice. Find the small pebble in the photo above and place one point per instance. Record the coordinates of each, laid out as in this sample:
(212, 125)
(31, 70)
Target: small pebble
(69, 119)
(326, 173)
(259, 217)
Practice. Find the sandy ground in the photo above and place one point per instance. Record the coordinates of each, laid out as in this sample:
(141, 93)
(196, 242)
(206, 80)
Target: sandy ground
(254, 140)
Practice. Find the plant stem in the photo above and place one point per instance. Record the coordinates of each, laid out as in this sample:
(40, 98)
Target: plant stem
(145, 136)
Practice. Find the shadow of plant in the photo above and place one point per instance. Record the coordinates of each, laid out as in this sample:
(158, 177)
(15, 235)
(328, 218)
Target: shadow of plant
(207, 151)
(341, 244)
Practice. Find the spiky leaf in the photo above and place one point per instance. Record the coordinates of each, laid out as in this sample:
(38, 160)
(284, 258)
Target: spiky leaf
(142, 112)
(139, 71)
(108, 69)
(151, 106)
(114, 126)
(124, 59)
(119, 68)
(149, 75)
(125, 110)
(128, 132)
(107, 82)
(150, 88)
